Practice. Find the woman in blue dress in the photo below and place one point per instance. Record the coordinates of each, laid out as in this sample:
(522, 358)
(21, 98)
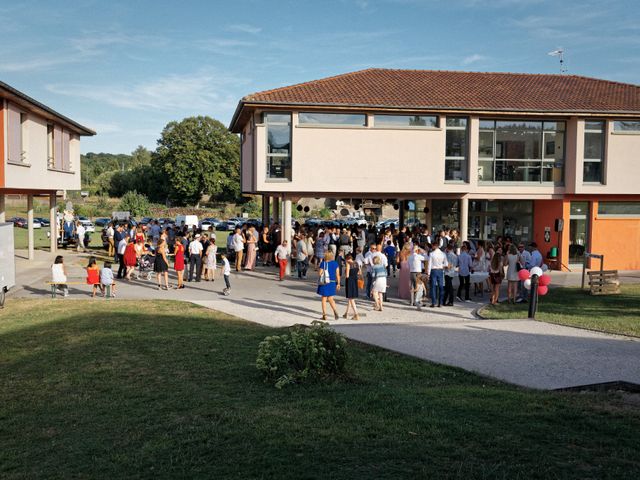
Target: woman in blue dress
(328, 290)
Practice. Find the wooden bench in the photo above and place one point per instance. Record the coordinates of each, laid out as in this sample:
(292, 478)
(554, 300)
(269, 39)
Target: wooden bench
(54, 287)
(604, 282)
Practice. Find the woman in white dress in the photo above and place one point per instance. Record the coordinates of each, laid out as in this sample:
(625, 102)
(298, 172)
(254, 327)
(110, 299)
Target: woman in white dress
(379, 286)
(512, 274)
(211, 252)
(59, 275)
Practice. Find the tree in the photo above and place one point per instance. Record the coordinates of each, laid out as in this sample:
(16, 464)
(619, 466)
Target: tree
(135, 203)
(199, 156)
(140, 157)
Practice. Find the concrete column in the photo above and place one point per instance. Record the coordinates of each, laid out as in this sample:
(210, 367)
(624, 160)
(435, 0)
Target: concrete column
(287, 231)
(266, 216)
(400, 214)
(3, 217)
(276, 209)
(53, 222)
(464, 218)
(30, 226)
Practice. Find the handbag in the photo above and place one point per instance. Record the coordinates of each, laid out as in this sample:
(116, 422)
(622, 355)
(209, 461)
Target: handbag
(324, 277)
(361, 283)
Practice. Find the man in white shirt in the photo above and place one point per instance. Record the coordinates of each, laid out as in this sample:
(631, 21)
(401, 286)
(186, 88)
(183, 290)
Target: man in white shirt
(122, 246)
(112, 248)
(281, 255)
(435, 269)
(80, 231)
(195, 258)
(416, 264)
(302, 258)
(238, 248)
(368, 262)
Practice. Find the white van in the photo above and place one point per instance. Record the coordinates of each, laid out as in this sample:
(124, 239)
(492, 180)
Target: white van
(191, 221)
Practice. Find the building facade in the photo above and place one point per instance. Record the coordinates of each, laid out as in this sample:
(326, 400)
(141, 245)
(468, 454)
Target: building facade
(546, 158)
(39, 153)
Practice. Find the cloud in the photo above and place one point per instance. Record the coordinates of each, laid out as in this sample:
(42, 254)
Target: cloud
(473, 59)
(37, 63)
(200, 91)
(244, 28)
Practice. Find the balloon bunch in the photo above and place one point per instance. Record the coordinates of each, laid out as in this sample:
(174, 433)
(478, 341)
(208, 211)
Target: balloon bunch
(544, 279)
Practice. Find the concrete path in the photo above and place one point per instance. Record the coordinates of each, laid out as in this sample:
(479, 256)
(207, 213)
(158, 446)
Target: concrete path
(527, 353)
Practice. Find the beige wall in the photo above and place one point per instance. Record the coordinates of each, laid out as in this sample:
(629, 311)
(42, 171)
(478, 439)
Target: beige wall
(385, 160)
(34, 174)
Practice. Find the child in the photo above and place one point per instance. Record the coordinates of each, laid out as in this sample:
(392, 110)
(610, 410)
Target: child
(390, 252)
(419, 291)
(59, 275)
(93, 276)
(226, 272)
(106, 279)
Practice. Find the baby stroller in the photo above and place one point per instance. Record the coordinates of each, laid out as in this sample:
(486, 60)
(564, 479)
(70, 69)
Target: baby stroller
(145, 267)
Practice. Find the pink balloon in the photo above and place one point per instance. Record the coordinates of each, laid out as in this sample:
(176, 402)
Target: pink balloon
(544, 280)
(542, 289)
(523, 274)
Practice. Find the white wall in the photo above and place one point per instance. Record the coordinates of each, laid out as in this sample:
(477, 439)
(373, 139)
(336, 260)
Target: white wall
(34, 173)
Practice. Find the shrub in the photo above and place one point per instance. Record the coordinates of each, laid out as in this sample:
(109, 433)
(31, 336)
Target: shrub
(301, 354)
(135, 203)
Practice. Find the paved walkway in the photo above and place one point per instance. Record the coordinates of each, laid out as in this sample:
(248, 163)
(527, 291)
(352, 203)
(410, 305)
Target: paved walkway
(523, 352)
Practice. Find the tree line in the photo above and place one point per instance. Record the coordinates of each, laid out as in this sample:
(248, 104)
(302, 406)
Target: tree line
(194, 157)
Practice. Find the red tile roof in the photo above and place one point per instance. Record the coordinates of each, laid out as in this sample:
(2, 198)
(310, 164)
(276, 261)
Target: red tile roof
(435, 89)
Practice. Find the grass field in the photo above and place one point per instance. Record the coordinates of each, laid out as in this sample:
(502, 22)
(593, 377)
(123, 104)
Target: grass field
(122, 389)
(576, 308)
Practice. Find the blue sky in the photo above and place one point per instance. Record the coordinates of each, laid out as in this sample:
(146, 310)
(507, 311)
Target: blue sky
(126, 68)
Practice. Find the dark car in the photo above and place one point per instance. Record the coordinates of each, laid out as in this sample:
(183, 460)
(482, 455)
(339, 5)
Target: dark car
(43, 221)
(18, 222)
(102, 222)
(145, 221)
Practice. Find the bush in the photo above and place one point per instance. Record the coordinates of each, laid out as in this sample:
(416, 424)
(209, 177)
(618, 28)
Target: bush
(135, 203)
(301, 354)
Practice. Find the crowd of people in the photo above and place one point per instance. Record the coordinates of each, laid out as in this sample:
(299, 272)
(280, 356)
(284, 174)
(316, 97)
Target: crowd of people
(358, 258)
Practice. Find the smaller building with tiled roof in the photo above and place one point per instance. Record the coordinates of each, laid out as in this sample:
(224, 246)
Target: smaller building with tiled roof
(532, 143)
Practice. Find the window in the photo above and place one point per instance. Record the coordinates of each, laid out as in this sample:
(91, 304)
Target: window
(593, 151)
(521, 151)
(51, 161)
(630, 126)
(16, 131)
(455, 163)
(278, 145)
(406, 121)
(619, 209)
(343, 119)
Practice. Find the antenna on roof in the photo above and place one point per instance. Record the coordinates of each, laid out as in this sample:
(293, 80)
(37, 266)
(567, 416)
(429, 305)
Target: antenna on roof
(559, 53)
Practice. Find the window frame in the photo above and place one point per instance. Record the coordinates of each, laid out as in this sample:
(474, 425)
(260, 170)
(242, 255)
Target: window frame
(300, 124)
(269, 156)
(455, 158)
(617, 215)
(601, 161)
(615, 131)
(543, 163)
(406, 127)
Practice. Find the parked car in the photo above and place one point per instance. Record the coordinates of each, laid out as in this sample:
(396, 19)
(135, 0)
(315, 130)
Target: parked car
(191, 221)
(234, 222)
(87, 224)
(102, 222)
(207, 223)
(165, 221)
(144, 221)
(43, 221)
(17, 221)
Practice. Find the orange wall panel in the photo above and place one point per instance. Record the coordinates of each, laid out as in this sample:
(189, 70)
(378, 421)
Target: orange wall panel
(617, 239)
(545, 213)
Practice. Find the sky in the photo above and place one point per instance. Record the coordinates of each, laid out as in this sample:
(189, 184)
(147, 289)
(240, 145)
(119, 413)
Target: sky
(127, 68)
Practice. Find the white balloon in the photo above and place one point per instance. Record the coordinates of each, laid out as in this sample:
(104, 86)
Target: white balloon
(536, 271)
(527, 284)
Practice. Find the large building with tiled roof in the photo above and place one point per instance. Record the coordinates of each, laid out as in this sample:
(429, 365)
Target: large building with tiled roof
(546, 158)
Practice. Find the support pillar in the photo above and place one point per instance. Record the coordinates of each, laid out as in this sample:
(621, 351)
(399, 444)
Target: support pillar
(30, 226)
(276, 209)
(53, 223)
(3, 217)
(287, 231)
(266, 216)
(400, 214)
(464, 219)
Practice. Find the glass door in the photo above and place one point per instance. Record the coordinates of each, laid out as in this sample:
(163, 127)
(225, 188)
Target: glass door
(578, 232)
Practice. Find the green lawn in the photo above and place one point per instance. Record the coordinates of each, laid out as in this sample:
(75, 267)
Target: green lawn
(117, 389)
(575, 307)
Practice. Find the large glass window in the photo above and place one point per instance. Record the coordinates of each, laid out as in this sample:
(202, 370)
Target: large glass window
(619, 209)
(631, 126)
(521, 151)
(593, 152)
(404, 121)
(346, 119)
(455, 168)
(278, 145)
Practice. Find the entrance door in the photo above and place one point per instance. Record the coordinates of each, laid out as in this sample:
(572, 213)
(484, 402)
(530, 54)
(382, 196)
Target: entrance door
(578, 232)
